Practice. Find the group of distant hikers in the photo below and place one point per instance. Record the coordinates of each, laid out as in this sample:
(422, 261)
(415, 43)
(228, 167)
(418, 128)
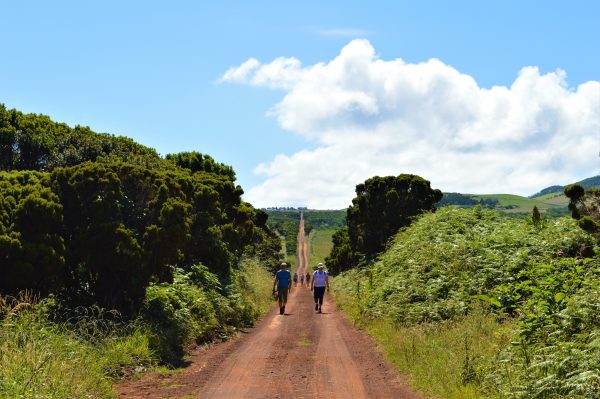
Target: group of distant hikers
(302, 277)
(283, 284)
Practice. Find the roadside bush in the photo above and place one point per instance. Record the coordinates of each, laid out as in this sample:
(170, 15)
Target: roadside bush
(40, 358)
(47, 351)
(538, 279)
(195, 308)
(556, 352)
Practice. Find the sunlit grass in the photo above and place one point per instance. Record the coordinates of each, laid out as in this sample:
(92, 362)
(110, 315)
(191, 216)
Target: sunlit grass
(41, 359)
(259, 283)
(444, 361)
(320, 245)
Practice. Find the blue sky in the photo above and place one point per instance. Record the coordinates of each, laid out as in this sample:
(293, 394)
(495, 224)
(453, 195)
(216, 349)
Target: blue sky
(153, 71)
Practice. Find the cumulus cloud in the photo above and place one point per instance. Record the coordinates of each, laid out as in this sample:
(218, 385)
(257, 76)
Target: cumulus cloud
(371, 117)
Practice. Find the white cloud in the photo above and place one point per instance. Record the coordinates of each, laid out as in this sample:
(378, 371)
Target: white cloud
(372, 117)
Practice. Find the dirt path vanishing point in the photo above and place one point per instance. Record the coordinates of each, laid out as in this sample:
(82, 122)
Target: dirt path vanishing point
(301, 354)
(302, 255)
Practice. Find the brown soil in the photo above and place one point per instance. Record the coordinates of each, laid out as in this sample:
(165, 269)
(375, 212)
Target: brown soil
(302, 354)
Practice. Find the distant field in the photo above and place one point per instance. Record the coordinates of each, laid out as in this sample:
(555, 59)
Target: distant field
(524, 204)
(320, 245)
(554, 198)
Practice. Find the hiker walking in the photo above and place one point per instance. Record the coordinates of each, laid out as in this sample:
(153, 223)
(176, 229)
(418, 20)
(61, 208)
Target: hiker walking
(319, 282)
(283, 282)
(307, 279)
(295, 279)
(302, 279)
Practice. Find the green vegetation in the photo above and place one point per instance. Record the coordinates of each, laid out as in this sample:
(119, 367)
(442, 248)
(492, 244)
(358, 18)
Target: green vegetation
(41, 358)
(320, 245)
(286, 223)
(514, 203)
(196, 308)
(382, 206)
(514, 305)
(100, 233)
(509, 203)
(134, 257)
(56, 353)
(35, 142)
(590, 182)
(439, 359)
(551, 201)
(325, 220)
(585, 207)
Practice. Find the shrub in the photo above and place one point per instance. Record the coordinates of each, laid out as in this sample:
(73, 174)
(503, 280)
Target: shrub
(448, 264)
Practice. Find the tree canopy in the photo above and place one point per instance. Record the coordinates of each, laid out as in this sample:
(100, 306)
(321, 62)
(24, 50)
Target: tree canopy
(96, 218)
(585, 207)
(381, 207)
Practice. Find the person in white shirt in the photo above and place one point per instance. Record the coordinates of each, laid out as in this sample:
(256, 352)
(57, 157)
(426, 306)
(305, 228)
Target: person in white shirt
(320, 282)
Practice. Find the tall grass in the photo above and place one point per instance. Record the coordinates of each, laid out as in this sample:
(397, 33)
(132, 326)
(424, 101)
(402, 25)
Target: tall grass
(43, 359)
(52, 353)
(442, 360)
(256, 283)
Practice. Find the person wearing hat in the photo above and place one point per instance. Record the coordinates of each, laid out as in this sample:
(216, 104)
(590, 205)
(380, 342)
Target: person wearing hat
(319, 282)
(283, 282)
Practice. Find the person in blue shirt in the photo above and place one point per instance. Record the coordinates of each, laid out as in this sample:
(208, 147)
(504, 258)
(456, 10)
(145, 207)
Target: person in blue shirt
(320, 281)
(283, 282)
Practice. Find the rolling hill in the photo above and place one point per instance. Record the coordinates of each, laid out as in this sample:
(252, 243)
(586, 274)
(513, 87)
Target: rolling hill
(550, 200)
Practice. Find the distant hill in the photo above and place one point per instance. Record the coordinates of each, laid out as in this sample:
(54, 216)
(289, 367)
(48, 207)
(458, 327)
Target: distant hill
(548, 190)
(586, 183)
(550, 200)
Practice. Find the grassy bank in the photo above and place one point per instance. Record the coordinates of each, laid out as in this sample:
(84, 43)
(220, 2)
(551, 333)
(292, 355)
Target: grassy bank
(442, 360)
(80, 353)
(475, 305)
(40, 358)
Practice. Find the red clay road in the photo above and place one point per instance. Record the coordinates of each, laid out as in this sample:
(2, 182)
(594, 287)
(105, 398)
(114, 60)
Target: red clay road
(301, 354)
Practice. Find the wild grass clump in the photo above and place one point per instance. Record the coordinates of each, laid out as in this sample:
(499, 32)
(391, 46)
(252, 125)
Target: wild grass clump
(444, 360)
(454, 264)
(196, 308)
(47, 351)
(40, 358)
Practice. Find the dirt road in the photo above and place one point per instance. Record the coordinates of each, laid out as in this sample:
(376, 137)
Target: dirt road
(301, 354)
(302, 255)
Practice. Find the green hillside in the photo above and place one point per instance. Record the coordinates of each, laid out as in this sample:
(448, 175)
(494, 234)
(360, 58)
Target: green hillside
(509, 203)
(588, 183)
(550, 200)
(516, 203)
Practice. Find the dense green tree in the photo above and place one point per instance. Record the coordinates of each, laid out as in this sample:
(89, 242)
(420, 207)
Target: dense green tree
(585, 207)
(383, 205)
(32, 250)
(342, 256)
(97, 218)
(103, 231)
(35, 142)
(197, 162)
